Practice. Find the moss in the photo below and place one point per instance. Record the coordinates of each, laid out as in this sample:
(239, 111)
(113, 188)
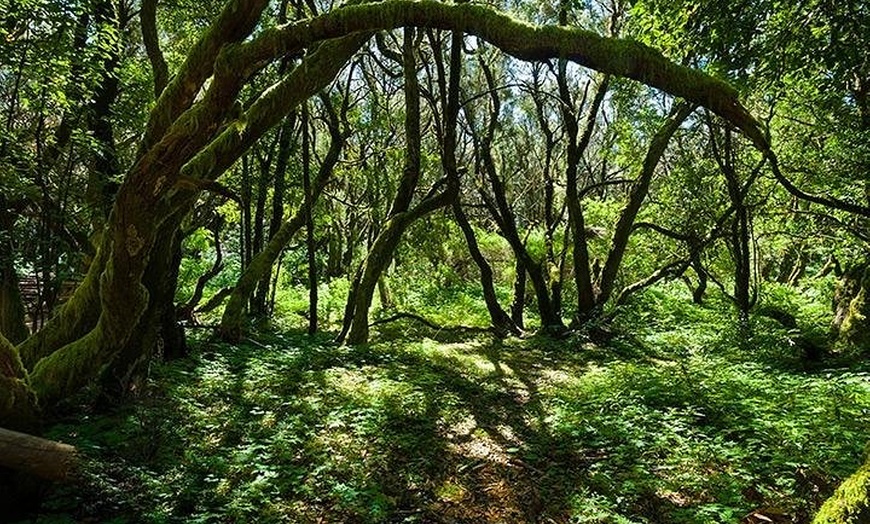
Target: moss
(854, 329)
(68, 368)
(18, 408)
(75, 318)
(10, 361)
(850, 504)
(17, 400)
(620, 57)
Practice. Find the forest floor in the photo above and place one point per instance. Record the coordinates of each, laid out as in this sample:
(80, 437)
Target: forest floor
(667, 425)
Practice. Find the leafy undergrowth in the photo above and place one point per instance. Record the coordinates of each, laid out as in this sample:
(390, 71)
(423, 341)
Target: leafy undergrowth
(664, 426)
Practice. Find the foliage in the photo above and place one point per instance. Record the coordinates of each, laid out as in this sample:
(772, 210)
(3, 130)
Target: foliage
(672, 423)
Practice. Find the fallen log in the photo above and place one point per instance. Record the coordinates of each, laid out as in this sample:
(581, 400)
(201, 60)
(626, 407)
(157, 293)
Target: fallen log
(37, 456)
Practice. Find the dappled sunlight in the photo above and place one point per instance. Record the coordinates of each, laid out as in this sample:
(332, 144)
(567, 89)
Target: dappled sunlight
(482, 431)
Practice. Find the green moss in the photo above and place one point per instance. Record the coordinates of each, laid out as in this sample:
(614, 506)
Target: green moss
(75, 318)
(18, 408)
(10, 361)
(850, 504)
(854, 330)
(68, 368)
(17, 400)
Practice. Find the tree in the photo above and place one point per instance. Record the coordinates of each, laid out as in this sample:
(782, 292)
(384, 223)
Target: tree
(197, 130)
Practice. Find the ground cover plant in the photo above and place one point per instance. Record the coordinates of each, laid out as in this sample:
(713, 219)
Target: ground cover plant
(664, 425)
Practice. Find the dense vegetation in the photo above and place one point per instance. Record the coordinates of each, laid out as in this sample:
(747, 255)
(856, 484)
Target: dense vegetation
(427, 261)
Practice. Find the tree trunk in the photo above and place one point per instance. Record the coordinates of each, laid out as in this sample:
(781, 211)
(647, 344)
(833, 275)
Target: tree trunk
(310, 246)
(518, 304)
(157, 332)
(285, 148)
(381, 251)
(501, 321)
(12, 324)
(638, 193)
(46, 459)
(246, 194)
(232, 325)
(17, 402)
(501, 212)
(379, 258)
(851, 307)
(574, 151)
(850, 503)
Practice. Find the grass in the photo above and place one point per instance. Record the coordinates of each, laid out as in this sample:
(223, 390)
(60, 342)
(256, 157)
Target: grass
(671, 424)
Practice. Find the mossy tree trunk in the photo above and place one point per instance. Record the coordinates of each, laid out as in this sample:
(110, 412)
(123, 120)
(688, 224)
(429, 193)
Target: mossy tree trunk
(157, 333)
(12, 315)
(851, 307)
(518, 304)
(497, 204)
(637, 194)
(576, 146)
(850, 503)
(502, 323)
(285, 148)
(18, 409)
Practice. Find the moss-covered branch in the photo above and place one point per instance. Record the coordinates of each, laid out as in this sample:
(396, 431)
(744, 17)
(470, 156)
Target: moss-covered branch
(620, 57)
(74, 319)
(236, 21)
(311, 76)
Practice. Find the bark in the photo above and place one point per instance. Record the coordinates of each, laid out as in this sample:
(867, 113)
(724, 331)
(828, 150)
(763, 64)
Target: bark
(401, 215)
(235, 22)
(550, 221)
(574, 151)
(499, 208)
(851, 307)
(138, 212)
(501, 322)
(157, 333)
(518, 304)
(46, 459)
(17, 402)
(701, 288)
(246, 193)
(308, 209)
(740, 240)
(285, 148)
(74, 319)
(379, 257)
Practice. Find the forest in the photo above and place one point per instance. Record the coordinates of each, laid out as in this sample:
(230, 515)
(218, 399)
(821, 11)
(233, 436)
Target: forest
(437, 261)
